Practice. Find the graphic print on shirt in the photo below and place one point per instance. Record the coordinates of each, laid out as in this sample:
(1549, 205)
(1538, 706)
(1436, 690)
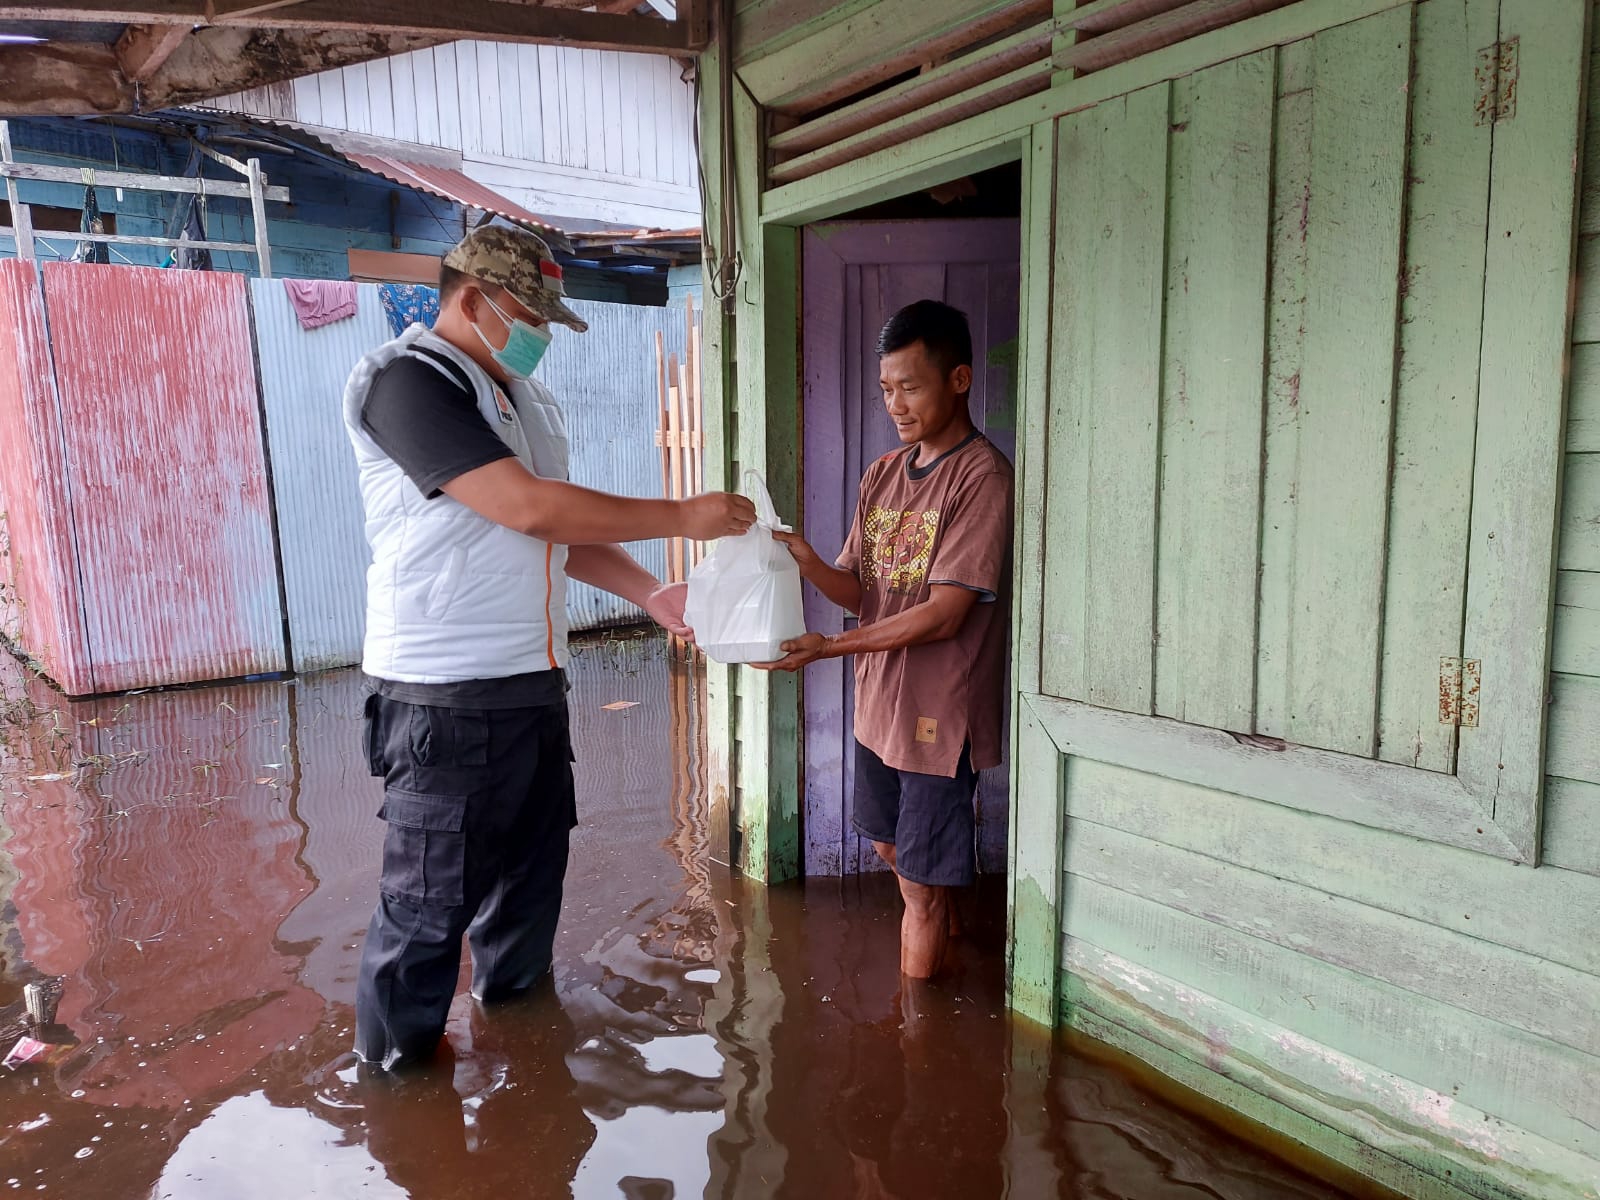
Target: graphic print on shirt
(898, 547)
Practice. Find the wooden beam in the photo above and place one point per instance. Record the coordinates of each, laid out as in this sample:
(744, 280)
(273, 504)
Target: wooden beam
(1102, 16)
(490, 20)
(695, 16)
(62, 78)
(244, 8)
(128, 239)
(258, 215)
(1019, 50)
(155, 12)
(21, 215)
(137, 181)
(844, 56)
(143, 49)
(224, 59)
(1158, 32)
(77, 79)
(997, 93)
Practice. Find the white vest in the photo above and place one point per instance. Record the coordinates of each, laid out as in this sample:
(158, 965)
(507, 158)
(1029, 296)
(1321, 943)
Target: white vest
(451, 595)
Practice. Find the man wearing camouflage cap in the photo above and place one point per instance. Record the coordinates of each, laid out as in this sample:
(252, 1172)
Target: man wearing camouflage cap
(474, 532)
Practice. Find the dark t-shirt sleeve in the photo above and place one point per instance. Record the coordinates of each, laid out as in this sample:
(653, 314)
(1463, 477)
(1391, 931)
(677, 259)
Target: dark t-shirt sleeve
(428, 424)
(972, 547)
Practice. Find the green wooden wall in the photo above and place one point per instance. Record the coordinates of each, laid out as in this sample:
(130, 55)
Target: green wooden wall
(1303, 439)
(1572, 799)
(1309, 406)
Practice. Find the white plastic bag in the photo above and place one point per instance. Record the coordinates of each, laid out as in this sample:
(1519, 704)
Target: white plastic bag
(744, 597)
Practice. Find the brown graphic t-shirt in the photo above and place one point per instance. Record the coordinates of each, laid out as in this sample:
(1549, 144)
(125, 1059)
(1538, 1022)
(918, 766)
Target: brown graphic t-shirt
(947, 522)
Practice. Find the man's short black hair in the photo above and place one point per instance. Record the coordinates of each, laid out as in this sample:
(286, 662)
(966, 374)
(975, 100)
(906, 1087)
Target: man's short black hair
(942, 330)
(452, 281)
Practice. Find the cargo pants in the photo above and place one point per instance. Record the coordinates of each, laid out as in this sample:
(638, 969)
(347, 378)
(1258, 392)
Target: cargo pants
(479, 807)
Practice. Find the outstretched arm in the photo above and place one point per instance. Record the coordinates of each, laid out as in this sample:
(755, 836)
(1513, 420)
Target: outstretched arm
(838, 585)
(612, 569)
(509, 494)
(936, 619)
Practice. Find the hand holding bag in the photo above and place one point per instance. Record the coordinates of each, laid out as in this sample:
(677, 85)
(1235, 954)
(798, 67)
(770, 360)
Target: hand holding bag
(744, 596)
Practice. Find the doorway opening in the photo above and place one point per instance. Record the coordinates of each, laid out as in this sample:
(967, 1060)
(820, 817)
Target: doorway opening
(959, 242)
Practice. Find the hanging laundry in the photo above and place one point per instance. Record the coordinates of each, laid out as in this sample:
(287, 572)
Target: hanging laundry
(188, 222)
(319, 302)
(407, 304)
(91, 222)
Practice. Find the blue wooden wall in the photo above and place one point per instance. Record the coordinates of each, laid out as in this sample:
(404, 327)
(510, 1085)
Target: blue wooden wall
(334, 207)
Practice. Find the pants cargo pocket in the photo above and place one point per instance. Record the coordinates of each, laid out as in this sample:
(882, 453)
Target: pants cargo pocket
(449, 737)
(424, 848)
(372, 735)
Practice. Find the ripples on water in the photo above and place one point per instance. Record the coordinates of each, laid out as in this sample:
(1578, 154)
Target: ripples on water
(200, 865)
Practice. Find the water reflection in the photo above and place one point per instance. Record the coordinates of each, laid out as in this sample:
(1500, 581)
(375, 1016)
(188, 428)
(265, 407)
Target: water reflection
(199, 866)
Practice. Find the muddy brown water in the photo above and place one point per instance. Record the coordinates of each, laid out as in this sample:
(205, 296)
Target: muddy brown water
(199, 866)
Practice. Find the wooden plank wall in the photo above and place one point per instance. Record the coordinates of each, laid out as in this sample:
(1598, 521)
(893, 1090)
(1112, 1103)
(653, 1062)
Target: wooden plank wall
(1313, 598)
(1296, 965)
(1572, 798)
(612, 132)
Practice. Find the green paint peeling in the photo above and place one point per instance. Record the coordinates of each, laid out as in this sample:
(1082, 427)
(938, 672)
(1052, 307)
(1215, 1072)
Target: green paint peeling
(1033, 953)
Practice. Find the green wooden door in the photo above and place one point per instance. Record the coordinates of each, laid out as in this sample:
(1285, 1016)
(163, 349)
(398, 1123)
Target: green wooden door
(1302, 442)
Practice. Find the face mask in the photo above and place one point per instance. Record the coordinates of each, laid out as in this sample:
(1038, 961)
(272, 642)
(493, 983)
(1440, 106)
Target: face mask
(524, 347)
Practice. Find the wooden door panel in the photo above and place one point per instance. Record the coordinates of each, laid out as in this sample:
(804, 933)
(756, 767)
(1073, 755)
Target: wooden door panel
(855, 277)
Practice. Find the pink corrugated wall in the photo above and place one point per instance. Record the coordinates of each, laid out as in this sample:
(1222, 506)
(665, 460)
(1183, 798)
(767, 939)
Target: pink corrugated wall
(42, 611)
(156, 376)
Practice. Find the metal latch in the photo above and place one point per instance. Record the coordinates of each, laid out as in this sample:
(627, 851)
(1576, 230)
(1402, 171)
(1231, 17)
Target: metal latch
(1496, 76)
(1460, 680)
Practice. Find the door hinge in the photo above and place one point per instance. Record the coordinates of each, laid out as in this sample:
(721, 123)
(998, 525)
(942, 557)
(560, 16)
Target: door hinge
(1460, 680)
(1496, 76)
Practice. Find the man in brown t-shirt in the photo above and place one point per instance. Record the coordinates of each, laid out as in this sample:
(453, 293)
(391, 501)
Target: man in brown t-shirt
(927, 568)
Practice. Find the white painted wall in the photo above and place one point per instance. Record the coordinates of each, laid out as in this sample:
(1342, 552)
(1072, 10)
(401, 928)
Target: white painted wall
(573, 135)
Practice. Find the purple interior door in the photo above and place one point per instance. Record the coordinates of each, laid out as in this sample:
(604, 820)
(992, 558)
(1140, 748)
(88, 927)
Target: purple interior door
(856, 275)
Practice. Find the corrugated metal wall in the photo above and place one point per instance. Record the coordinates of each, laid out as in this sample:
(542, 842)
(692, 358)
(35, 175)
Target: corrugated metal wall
(314, 478)
(40, 603)
(132, 466)
(605, 381)
(168, 488)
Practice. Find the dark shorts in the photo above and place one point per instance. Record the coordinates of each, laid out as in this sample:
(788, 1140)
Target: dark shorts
(928, 818)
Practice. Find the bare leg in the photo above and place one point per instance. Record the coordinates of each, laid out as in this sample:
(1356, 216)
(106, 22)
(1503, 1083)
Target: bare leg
(885, 851)
(924, 930)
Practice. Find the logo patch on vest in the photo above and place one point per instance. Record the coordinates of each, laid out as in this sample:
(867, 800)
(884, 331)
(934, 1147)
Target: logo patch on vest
(503, 407)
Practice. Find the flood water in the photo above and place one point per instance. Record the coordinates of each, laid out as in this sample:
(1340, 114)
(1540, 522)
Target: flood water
(200, 866)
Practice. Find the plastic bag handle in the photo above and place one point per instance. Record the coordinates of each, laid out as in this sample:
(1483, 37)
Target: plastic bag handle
(766, 515)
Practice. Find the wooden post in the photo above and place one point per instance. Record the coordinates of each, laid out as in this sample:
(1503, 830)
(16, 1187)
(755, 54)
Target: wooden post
(661, 417)
(691, 416)
(21, 216)
(665, 438)
(686, 425)
(258, 212)
(675, 548)
(697, 382)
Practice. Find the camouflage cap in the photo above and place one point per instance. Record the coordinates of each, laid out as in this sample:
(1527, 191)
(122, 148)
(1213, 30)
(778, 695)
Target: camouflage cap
(521, 263)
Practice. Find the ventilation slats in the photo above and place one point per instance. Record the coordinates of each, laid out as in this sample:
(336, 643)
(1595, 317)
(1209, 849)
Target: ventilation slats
(1020, 50)
(1176, 24)
(994, 56)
